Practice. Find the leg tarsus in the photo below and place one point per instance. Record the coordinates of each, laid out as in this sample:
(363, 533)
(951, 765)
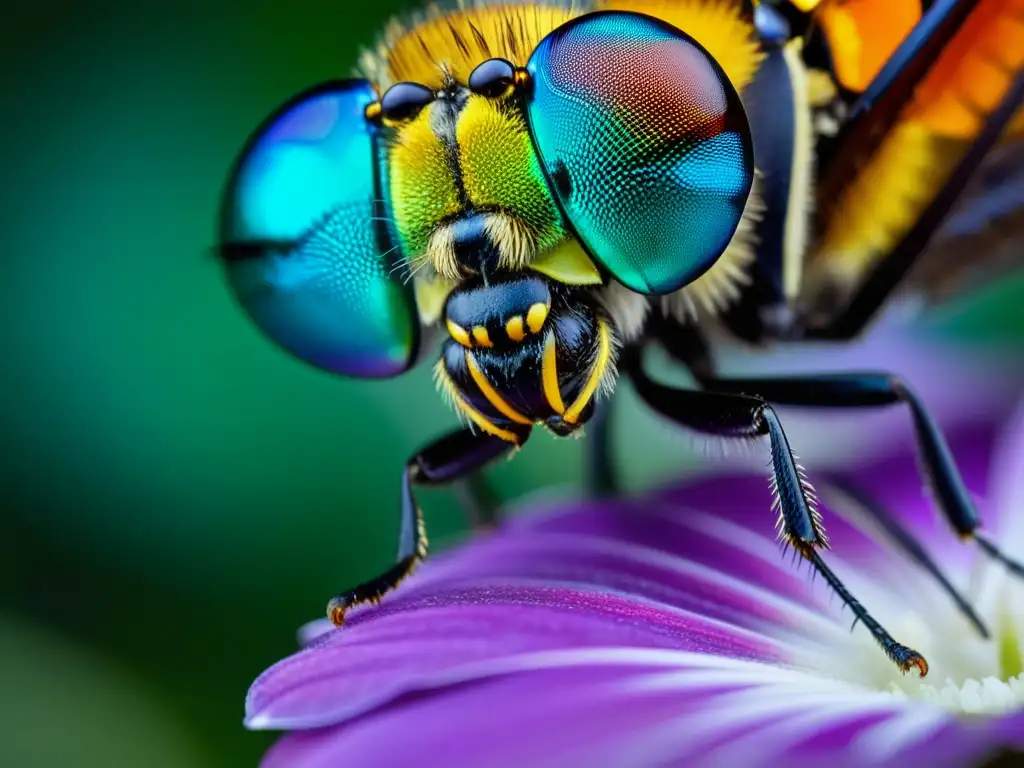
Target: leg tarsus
(837, 492)
(901, 655)
(453, 457)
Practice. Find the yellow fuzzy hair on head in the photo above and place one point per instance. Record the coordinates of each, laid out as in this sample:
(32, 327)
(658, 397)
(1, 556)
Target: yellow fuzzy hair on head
(438, 42)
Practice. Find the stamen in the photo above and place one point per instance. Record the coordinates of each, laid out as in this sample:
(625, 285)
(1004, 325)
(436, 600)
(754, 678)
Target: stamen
(987, 696)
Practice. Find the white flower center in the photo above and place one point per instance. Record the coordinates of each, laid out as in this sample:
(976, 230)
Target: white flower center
(968, 674)
(990, 695)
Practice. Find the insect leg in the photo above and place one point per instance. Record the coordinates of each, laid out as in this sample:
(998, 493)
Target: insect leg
(683, 342)
(889, 272)
(741, 416)
(854, 390)
(687, 345)
(453, 457)
(600, 476)
(479, 502)
(839, 493)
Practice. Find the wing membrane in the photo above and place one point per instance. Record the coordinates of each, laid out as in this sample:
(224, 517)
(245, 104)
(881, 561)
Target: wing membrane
(907, 151)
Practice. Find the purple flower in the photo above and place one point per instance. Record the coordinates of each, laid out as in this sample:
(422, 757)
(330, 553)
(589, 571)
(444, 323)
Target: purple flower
(667, 630)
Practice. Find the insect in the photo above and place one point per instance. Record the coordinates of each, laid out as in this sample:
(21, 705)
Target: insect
(533, 193)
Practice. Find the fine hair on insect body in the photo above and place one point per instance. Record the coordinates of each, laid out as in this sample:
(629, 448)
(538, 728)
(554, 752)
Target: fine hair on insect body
(531, 194)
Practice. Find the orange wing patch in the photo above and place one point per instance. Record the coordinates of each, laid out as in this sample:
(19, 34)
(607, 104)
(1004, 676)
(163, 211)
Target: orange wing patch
(974, 72)
(882, 202)
(863, 34)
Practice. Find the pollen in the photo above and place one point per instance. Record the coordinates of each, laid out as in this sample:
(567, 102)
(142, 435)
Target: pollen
(986, 696)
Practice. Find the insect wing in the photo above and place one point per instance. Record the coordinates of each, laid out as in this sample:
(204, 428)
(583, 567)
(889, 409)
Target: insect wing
(304, 242)
(944, 107)
(983, 238)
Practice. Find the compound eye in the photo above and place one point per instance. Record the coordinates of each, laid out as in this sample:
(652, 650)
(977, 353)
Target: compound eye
(646, 145)
(403, 101)
(495, 79)
(303, 243)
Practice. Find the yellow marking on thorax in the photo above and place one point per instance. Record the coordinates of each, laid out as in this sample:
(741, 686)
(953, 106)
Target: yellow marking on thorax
(549, 375)
(460, 334)
(536, 317)
(604, 354)
(821, 88)
(481, 336)
(484, 423)
(514, 328)
(492, 395)
(459, 40)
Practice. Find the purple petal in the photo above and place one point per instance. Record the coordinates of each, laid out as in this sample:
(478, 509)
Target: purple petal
(722, 543)
(923, 736)
(893, 481)
(654, 551)
(645, 715)
(314, 630)
(554, 717)
(639, 572)
(467, 633)
(744, 504)
(635, 633)
(621, 715)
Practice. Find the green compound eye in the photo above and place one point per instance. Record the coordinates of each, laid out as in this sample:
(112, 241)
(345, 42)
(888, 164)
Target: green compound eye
(303, 239)
(645, 143)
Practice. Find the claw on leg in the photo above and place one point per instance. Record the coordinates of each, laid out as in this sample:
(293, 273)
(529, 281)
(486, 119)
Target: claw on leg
(454, 457)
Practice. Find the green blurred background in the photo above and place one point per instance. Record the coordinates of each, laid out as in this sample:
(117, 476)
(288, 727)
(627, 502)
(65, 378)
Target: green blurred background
(178, 496)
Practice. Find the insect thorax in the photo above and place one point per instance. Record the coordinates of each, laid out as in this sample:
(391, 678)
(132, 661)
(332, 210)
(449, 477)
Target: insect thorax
(525, 350)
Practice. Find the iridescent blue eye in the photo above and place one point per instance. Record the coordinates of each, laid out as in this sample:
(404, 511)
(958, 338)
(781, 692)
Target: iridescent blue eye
(645, 143)
(304, 242)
